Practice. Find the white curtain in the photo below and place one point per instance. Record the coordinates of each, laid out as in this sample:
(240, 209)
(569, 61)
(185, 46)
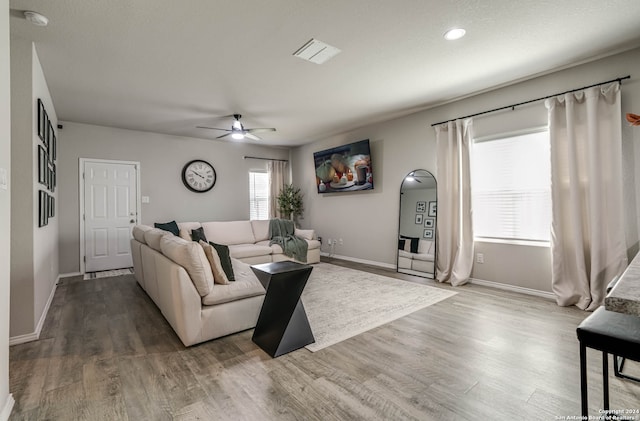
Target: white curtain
(277, 177)
(587, 234)
(454, 230)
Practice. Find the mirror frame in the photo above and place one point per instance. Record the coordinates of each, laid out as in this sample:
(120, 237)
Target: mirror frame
(430, 275)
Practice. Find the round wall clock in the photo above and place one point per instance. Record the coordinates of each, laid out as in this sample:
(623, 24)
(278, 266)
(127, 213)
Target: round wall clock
(198, 176)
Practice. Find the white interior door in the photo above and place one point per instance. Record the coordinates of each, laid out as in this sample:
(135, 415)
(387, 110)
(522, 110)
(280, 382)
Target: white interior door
(110, 212)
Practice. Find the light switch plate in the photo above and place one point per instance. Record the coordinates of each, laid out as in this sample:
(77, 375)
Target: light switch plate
(145, 199)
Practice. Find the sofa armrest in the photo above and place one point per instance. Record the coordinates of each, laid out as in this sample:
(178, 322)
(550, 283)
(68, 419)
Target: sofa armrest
(180, 302)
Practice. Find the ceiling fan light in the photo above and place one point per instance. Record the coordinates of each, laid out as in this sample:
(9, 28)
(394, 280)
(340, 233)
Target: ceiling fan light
(36, 18)
(454, 34)
(237, 136)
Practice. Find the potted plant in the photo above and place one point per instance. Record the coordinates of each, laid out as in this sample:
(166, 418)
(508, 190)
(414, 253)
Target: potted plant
(290, 202)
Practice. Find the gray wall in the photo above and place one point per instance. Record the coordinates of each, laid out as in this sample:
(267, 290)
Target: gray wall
(403, 144)
(408, 212)
(34, 257)
(5, 207)
(161, 160)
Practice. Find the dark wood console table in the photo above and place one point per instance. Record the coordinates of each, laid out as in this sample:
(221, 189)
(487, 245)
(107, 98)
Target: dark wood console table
(282, 326)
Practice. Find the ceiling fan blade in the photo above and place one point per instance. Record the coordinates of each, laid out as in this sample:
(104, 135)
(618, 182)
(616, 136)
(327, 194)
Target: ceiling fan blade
(212, 128)
(265, 129)
(224, 135)
(248, 135)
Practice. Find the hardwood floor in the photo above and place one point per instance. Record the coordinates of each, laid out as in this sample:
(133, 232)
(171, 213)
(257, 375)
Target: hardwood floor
(106, 353)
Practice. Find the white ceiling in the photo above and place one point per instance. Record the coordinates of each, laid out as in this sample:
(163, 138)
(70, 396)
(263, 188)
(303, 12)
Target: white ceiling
(166, 66)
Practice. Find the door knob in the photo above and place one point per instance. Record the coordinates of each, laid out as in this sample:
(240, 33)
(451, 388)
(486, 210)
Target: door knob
(132, 221)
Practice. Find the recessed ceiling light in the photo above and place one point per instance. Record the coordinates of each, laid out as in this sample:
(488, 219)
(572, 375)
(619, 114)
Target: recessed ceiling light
(454, 33)
(36, 18)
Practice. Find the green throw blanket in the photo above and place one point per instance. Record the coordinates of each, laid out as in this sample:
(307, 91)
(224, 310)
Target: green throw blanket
(281, 233)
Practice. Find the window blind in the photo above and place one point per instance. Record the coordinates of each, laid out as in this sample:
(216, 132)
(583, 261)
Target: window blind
(511, 187)
(258, 195)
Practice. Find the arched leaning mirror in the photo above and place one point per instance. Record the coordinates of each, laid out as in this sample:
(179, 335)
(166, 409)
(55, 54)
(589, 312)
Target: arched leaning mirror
(417, 228)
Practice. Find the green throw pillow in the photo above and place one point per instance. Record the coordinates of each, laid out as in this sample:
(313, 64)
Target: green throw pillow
(225, 259)
(198, 234)
(172, 227)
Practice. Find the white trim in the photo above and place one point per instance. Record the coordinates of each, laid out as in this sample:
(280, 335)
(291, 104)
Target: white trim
(6, 409)
(427, 275)
(23, 339)
(34, 336)
(522, 132)
(529, 243)
(513, 288)
(81, 163)
(355, 259)
(69, 275)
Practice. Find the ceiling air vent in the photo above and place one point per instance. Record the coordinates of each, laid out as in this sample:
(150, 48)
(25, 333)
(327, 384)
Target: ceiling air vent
(316, 51)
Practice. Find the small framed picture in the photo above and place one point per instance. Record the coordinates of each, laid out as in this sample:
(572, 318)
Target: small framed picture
(428, 234)
(50, 135)
(429, 223)
(421, 207)
(51, 206)
(53, 148)
(419, 218)
(433, 208)
(42, 165)
(49, 175)
(43, 211)
(42, 120)
(53, 177)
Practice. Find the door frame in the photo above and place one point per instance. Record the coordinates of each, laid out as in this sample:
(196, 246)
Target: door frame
(81, 164)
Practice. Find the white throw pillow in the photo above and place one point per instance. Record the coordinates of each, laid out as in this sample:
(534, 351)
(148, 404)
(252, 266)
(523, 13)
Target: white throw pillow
(219, 277)
(191, 257)
(305, 234)
(185, 234)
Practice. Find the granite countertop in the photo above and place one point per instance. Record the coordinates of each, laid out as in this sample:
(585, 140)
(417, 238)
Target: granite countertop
(625, 296)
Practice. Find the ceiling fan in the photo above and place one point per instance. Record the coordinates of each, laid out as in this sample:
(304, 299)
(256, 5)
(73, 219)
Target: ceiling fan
(238, 131)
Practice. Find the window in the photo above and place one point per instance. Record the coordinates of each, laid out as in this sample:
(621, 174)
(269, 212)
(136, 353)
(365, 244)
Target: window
(258, 195)
(511, 187)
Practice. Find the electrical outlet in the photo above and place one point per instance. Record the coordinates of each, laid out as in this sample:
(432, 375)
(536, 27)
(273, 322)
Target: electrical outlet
(480, 258)
(329, 241)
(340, 241)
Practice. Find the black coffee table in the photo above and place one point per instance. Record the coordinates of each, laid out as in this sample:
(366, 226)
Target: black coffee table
(282, 326)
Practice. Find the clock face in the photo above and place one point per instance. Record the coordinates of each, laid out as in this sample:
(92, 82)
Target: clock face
(198, 176)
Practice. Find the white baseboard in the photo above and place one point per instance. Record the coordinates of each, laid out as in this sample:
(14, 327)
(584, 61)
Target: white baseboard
(69, 275)
(34, 336)
(355, 259)
(513, 288)
(7, 407)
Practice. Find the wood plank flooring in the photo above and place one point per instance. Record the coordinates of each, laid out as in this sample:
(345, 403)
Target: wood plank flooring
(106, 353)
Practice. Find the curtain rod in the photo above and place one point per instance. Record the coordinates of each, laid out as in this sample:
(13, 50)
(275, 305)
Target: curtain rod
(513, 106)
(265, 159)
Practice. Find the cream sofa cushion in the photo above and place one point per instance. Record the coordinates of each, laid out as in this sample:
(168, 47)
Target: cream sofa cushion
(153, 236)
(425, 246)
(191, 257)
(185, 234)
(246, 285)
(305, 234)
(219, 277)
(138, 232)
(229, 232)
(241, 251)
(260, 229)
(189, 226)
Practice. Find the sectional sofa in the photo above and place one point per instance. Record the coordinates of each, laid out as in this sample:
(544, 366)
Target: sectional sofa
(177, 275)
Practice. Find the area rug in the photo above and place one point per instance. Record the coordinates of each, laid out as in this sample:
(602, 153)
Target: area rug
(108, 273)
(341, 303)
